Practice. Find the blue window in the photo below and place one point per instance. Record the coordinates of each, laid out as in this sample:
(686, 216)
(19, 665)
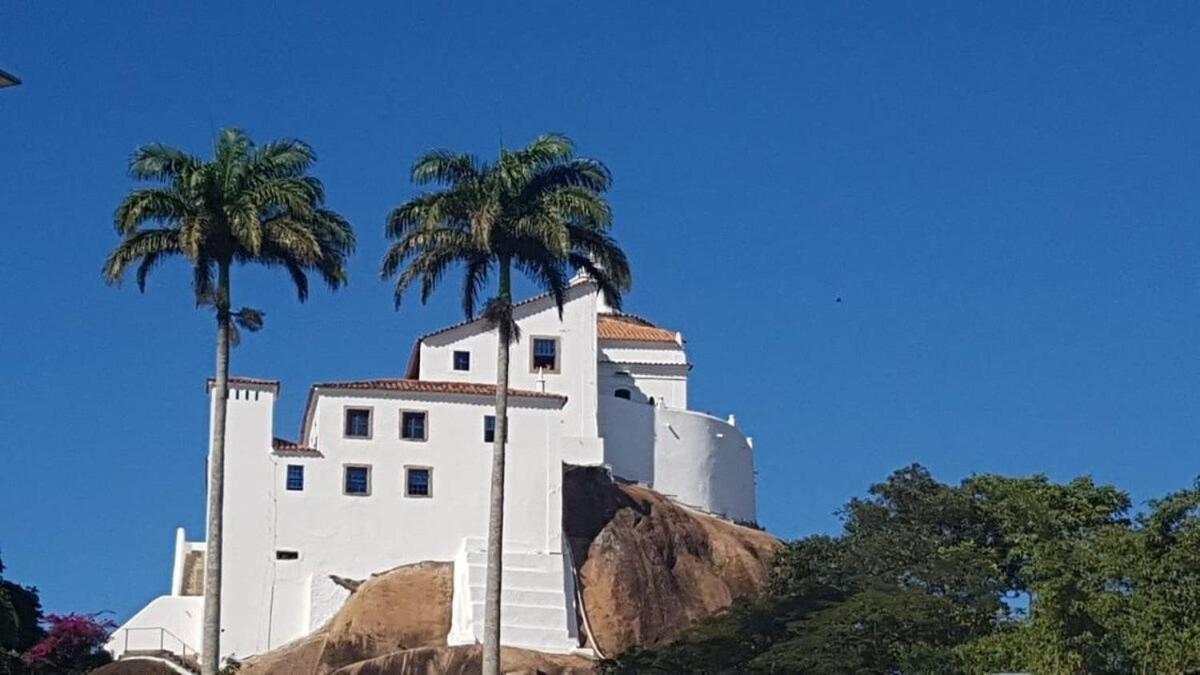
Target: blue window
(462, 360)
(489, 428)
(358, 422)
(358, 480)
(295, 477)
(412, 426)
(545, 354)
(417, 482)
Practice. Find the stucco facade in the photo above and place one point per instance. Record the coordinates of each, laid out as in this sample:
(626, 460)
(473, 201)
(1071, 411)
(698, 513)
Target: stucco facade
(394, 471)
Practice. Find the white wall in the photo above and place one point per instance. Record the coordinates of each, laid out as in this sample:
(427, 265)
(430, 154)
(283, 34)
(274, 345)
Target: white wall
(663, 384)
(170, 622)
(249, 513)
(628, 429)
(698, 459)
(356, 536)
(704, 462)
(576, 379)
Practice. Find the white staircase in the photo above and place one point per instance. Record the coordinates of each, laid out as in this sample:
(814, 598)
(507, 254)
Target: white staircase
(537, 599)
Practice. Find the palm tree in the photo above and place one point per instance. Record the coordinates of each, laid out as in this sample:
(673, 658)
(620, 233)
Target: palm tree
(539, 210)
(248, 205)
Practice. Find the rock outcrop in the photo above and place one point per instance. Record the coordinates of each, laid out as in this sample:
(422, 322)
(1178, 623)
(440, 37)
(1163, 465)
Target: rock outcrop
(403, 609)
(648, 569)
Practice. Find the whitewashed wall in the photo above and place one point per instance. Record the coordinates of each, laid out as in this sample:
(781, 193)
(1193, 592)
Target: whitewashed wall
(181, 617)
(356, 536)
(700, 460)
(576, 379)
(250, 512)
(704, 462)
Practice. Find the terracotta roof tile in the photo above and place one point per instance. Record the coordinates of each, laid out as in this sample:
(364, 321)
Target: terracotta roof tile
(632, 328)
(432, 387)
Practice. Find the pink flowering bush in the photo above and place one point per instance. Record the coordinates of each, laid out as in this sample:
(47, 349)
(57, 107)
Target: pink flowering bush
(73, 644)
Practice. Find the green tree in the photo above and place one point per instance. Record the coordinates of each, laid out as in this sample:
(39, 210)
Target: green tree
(247, 205)
(20, 622)
(539, 210)
(995, 574)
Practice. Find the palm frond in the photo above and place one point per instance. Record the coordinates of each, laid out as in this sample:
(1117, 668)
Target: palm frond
(156, 204)
(428, 268)
(583, 173)
(475, 280)
(446, 167)
(612, 290)
(161, 162)
(138, 246)
(545, 150)
(285, 158)
(538, 206)
(548, 272)
(202, 281)
(248, 205)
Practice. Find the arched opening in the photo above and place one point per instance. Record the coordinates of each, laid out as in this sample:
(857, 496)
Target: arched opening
(623, 393)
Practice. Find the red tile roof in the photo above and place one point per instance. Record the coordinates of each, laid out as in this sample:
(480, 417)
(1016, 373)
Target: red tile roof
(432, 387)
(632, 328)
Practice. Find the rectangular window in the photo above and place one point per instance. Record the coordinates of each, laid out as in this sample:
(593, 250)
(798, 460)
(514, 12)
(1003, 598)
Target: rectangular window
(544, 354)
(462, 360)
(412, 425)
(489, 428)
(295, 477)
(358, 480)
(358, 422)
(287, 555)
(418, 481)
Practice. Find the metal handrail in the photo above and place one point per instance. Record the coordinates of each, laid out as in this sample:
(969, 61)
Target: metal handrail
(162, 633)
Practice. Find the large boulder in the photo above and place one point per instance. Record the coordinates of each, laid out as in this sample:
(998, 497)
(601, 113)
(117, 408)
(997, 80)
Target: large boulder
(405, 608)
(468, 660)
(650, 568)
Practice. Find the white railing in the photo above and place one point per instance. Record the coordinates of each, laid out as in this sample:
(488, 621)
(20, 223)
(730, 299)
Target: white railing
(155, 639)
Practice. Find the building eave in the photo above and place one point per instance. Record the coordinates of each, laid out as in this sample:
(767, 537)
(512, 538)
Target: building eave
(246, 383)
(423, 388)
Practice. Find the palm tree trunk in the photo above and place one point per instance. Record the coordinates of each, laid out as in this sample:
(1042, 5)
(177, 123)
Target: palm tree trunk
(210, 651)
(495, 543)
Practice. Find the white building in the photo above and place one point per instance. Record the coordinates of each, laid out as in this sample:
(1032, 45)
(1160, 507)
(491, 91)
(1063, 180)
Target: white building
(394, 471)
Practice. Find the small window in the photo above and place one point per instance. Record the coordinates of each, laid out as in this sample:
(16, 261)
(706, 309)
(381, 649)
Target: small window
(358, 480)
(358, 422)
(418, 482)
(462, 360)
(489, 428)
(287, 555)
(623, 393)
(412, 426)
(545, 354)
(295, 477)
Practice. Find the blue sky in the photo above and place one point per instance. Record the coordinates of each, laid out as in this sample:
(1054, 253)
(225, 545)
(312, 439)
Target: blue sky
(1006, 201)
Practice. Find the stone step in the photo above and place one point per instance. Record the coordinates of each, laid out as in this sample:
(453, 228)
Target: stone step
(536, 597)
(518, 578)
(541, 639)
(526, 561)
(527, 615)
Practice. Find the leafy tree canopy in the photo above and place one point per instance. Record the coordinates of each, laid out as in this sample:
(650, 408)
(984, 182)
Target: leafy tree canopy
(20, 622)
(995, 574)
